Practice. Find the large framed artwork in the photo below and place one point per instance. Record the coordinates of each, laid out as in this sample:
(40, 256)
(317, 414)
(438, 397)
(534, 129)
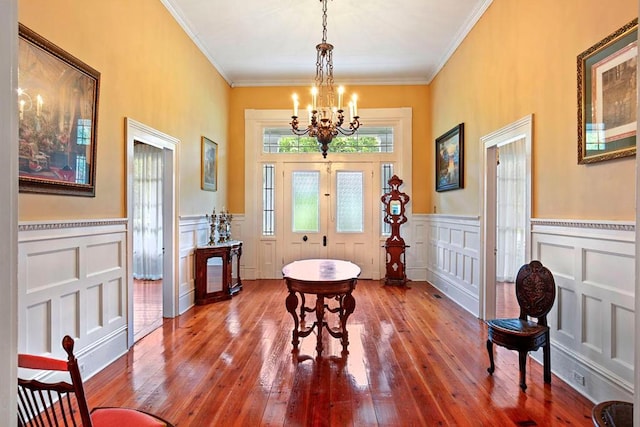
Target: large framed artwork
(607, 99)
(58, 119)
(209, 173)
(450, 159)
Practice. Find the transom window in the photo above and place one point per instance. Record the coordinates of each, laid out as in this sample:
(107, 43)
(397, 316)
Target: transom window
(366, 140)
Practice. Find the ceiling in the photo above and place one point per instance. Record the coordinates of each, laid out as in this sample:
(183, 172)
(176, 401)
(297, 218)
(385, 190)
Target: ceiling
(272, 42)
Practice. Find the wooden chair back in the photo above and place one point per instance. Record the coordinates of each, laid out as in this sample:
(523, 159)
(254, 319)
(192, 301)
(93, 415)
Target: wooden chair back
(535, 291)
(58, 403)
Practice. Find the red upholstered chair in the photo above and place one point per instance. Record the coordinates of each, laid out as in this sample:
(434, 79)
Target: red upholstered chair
(536, 293)
(63, 403)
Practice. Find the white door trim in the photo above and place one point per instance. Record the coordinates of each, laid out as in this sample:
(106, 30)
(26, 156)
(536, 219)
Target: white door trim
(136, 131)
(522, 128)
(9, 210)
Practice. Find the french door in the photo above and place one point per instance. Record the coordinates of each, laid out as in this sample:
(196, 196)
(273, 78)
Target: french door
(330, 212)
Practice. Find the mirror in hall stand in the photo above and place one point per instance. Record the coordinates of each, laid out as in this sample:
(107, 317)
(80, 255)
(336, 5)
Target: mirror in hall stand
(394, 208)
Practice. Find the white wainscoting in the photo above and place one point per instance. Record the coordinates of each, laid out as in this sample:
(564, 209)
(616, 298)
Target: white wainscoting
(239, 231)
(453, 257)
(194, 232)
(72, 281)
(269, 265)
(416, 233)
(592, 321)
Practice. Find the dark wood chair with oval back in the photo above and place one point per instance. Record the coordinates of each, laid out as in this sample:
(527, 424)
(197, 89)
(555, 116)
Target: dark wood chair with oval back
(536, 293)
(63, 403)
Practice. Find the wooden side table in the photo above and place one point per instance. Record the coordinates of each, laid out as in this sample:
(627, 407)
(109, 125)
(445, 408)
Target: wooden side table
(326, 278)
(217, 272)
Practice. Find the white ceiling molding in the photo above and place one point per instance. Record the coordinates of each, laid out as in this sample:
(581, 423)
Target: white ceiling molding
(258, 43)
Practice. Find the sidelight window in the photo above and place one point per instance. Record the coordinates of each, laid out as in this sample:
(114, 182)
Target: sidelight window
(268, 199)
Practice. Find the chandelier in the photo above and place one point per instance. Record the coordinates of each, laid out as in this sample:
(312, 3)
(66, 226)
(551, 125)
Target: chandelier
(325, 115)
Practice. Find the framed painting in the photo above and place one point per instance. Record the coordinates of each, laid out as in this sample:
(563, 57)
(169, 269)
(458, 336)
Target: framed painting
(607, 100)
(450, 159)
(58, 119)
(209, 173)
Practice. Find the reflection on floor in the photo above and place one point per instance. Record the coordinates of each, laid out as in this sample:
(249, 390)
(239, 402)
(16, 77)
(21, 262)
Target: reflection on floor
(506, 301)
(147, 307)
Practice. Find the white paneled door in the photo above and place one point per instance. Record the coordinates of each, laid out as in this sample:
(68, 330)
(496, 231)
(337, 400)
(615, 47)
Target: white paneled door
(330, 212)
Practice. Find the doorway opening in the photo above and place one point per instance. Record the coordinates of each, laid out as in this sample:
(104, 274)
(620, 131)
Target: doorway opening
(507, 215)
(148, 251)
(165, 290)
(510, 223)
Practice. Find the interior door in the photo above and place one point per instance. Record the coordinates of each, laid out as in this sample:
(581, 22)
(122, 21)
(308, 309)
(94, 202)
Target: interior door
(351, 233)
(329, 213)
(305, 211)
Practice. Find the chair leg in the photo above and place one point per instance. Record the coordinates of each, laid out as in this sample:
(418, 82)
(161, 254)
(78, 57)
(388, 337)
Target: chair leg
(491, 367)
(546, 350)
(523, 369)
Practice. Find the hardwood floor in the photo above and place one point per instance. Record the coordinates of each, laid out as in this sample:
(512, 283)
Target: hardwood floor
(415, 359)
(506, 301)
(147, 307)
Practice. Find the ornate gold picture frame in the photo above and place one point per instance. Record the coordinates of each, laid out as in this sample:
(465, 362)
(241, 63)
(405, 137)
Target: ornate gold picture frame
(607, 98)
(58, 119)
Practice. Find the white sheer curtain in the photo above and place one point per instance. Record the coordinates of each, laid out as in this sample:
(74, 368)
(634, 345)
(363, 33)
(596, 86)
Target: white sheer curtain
(147, 212)
(511, 210)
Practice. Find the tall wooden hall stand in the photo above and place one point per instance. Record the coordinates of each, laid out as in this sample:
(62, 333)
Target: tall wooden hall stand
(394, 207)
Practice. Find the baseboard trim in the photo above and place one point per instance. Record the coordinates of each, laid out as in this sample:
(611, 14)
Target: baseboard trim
(599, 384)
(99, 354)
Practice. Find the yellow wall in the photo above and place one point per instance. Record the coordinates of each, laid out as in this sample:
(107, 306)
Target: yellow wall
(416, 97)
(520, 59)
(151, 72)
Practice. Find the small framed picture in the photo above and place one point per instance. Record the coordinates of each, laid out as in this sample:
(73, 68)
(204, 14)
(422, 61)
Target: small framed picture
(209, 174)
(450, 159)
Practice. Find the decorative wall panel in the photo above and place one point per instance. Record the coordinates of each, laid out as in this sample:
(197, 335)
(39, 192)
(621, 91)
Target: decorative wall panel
(113, 300)
(592, 312)
(71, 278)
(95, 301)
(566, 298)
(70, 312)
(65, 261)
(621, 345)
(38, 323)
(103, 258)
